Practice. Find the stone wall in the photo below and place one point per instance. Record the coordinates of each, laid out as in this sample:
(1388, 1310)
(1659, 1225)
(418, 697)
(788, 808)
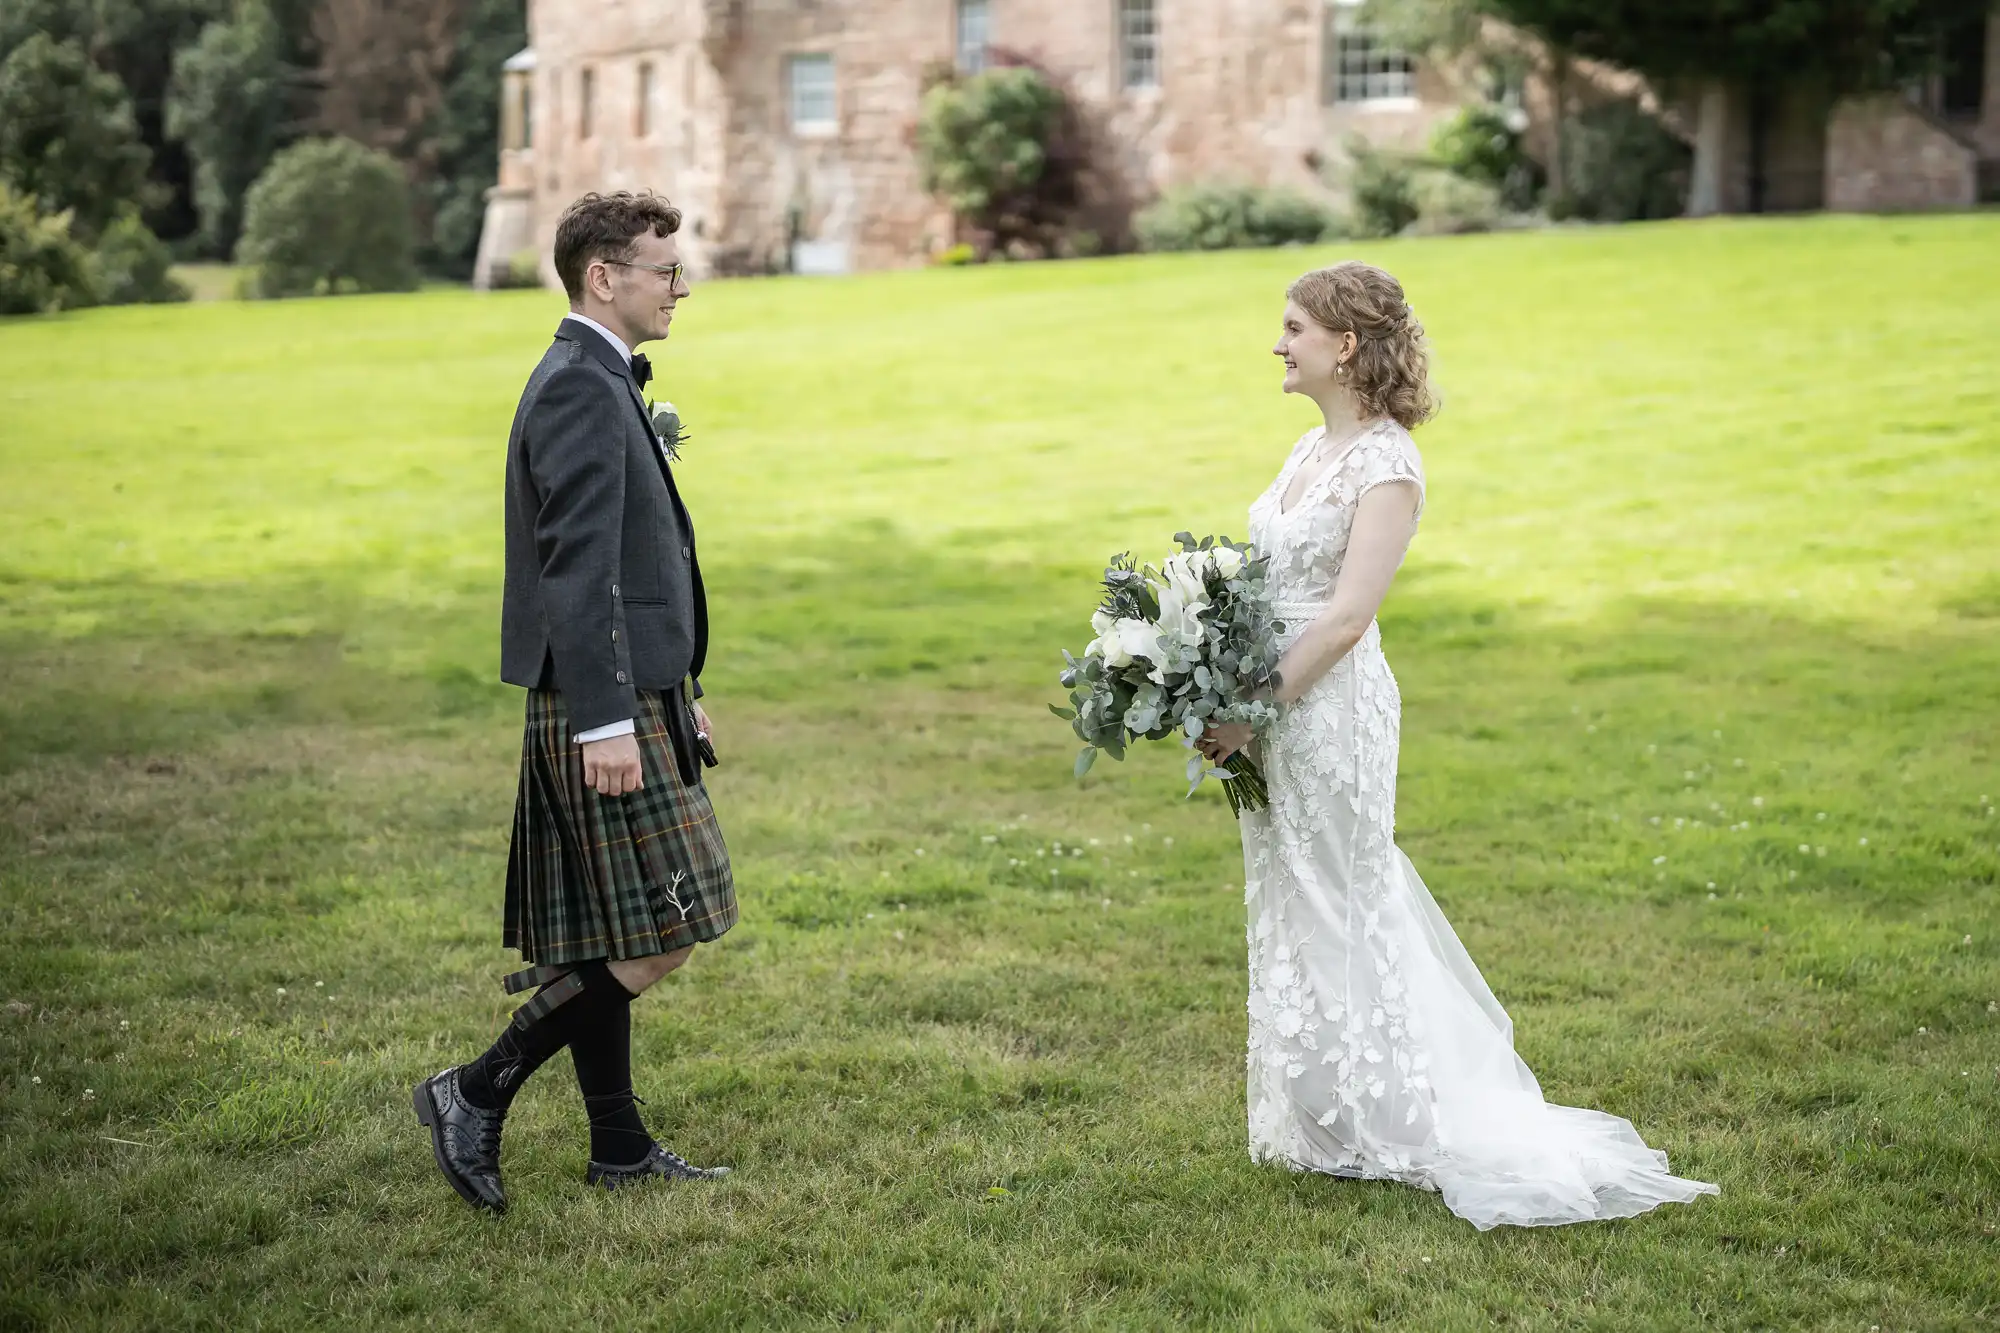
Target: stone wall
(854, 187)
(1238, 100)
(673, 144)
(1882, 154)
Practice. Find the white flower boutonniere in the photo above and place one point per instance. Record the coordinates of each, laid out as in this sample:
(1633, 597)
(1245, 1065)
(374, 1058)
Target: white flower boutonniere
(667, 425)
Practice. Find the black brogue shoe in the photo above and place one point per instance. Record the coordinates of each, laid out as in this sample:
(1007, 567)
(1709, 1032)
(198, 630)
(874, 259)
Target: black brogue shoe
(465, 1139)
(658, 1162)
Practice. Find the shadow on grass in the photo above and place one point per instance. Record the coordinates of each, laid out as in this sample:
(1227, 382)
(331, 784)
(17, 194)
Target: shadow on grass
(249, 888)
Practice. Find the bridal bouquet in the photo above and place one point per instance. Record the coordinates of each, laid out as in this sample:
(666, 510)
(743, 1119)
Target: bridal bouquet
(1179, 648)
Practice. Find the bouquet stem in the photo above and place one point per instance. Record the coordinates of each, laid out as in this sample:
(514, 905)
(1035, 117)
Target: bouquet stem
(1245, 785)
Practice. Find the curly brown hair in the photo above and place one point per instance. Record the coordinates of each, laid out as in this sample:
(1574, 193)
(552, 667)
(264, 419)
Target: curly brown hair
(603, 226)
(1389, 374)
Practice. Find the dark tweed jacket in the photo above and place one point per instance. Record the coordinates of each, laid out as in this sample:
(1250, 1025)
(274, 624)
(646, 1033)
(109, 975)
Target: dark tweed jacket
(603, 594)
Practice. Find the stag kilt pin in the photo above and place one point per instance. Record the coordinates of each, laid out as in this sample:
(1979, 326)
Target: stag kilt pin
(604, 619)
(612, 876)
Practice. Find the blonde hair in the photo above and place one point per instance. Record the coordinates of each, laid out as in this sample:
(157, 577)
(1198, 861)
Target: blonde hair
(1389, 373)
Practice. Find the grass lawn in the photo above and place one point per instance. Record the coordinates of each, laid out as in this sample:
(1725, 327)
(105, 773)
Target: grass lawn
(1700, 651)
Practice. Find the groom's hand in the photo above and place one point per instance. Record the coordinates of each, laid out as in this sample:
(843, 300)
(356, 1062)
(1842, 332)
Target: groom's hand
(702, 724)
(611, 766)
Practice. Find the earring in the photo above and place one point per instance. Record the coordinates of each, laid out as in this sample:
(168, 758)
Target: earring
(1340, 369)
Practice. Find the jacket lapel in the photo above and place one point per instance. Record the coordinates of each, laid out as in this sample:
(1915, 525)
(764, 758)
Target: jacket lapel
(593, 342)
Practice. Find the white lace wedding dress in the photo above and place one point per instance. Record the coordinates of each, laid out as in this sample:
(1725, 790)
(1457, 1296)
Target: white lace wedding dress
(1376, 1049)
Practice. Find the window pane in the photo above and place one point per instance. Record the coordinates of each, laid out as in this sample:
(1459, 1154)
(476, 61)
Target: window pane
(584, 100)
(1360, 67)
(811, 91)
(1139, 43)
(972, 31)
(642, 116)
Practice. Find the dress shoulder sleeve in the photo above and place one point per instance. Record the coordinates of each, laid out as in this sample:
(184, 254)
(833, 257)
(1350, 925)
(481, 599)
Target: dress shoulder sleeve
(1390, 455)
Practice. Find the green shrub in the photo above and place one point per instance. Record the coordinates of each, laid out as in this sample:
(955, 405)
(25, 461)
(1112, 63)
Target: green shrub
(1448, 203)
(1004, 150)
(1230, 217)
(1382, 190)
(329, 217)
(1478, 144)
(42, 268)
(1622, 165)
(133, 264)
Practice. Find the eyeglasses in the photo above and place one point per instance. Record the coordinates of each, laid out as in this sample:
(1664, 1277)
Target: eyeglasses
(671, 272)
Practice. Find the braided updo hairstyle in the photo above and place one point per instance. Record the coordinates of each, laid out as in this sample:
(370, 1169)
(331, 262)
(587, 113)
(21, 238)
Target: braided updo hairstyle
(1389, 373)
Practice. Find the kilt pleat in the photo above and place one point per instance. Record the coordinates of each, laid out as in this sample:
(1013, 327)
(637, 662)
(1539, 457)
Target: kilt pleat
(592, 876)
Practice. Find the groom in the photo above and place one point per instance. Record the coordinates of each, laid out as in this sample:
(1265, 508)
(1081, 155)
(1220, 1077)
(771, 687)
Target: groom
(618, 868)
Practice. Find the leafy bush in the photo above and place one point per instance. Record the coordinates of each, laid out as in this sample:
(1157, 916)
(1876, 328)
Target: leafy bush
(132, 265)
(327, 217)
(1448, 203)
(1003, 148)
(1382, 189)
(42, 268)
(1622, 165)
(67, 136)
(1230, 217)
(1480, 145)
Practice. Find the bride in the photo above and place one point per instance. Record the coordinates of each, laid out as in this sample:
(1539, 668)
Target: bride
(1376, 1049)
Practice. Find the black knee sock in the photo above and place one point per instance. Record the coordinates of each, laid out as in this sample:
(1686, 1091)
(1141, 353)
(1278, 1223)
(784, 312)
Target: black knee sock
(492, 1080)
(603, 1059)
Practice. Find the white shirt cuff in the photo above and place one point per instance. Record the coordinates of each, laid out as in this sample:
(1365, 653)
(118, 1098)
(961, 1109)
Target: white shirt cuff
(606, 732)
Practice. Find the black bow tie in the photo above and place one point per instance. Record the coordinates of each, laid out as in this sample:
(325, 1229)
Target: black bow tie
(642, 370)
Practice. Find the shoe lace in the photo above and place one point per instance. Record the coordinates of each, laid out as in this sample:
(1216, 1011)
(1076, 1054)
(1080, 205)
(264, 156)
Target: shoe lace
(487, 1136)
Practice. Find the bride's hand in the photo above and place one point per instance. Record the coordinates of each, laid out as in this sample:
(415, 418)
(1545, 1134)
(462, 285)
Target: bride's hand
(1224, 739)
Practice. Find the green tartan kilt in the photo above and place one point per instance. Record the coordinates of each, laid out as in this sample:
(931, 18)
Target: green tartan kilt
(627, 876)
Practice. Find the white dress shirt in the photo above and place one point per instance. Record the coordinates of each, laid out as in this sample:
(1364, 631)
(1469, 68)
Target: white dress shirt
(627, 727)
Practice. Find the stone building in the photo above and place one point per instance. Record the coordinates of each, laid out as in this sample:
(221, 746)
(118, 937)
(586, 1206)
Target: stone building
(783, 128)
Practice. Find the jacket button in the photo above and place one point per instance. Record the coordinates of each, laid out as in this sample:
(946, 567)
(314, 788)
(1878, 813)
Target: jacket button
(621, 678)
(614, 636)
(614, 590)
(686, 552)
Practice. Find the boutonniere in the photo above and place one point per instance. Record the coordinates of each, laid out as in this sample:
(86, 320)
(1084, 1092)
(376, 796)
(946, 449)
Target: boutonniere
(667, 425)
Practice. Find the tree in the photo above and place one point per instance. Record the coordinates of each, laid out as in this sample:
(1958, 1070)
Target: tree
(329, 216)
(1756, 51)
(230, 105)
(383, 66)
(137, 41)
(420, 80)
(67, 135)
(42, 268)
(466, 127)
(1003, 148)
